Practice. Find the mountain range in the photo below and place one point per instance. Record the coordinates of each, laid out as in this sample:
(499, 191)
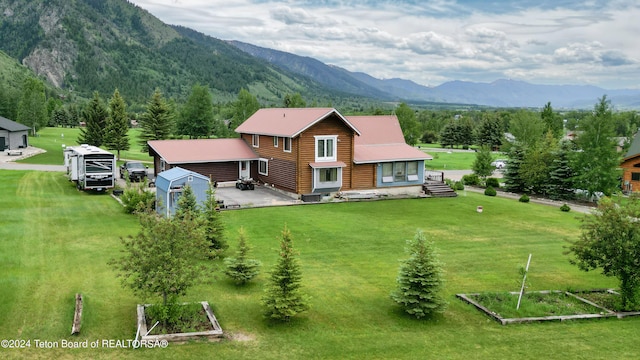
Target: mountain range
(81, 46)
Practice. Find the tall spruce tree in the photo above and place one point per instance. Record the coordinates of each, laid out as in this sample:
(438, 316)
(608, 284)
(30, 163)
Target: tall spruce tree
(116, 135)
(420, 280)
(187, 204)
(214, 226)
(490, 132)
(283, 298)
(95, 120)
(513, 180)
(560, 182)
(157, 121)
(241, 268)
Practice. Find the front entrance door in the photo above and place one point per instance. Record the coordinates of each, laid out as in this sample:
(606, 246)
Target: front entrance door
(245, 169)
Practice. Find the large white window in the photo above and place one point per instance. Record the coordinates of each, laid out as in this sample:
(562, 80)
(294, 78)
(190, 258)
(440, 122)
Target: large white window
(287, 144)
(263, 167)
(255, 140)
(327, 178)
(326, 148)
(400, 171)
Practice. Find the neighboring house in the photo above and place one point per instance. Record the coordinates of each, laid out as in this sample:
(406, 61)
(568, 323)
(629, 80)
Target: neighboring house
(13, 135)
(169, 187)
(631, 166)
(304, 151)
(218, 159)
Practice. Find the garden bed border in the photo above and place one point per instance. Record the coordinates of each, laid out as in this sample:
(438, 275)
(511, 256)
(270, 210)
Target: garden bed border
(606, 313)
(216, 333)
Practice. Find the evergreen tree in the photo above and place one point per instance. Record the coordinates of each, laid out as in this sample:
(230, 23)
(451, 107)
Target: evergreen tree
(482, 164)
(283, 298)
(59, 117)
(196, 117)
(241, 268)
(187, 204)
(560, 184)
(465, 133)
(552, 121)
(513, 181)
(73, 119)
(597, 160)
(32, 110)
(214, 226)
(449, 135)
(116, 137)
(95, 120)
(490, 132)
(420, 280)
(157, 122)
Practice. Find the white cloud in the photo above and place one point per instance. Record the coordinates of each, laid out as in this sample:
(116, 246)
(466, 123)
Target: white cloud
(555, 41)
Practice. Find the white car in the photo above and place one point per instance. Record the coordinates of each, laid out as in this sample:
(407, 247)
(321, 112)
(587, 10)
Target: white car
(499, 164)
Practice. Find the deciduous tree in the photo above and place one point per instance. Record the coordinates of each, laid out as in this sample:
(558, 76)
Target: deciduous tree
(32, 110)
(410, 127)
(610, 241)
(420, 281)
(196, 117)
(482, 164)
(243, 108)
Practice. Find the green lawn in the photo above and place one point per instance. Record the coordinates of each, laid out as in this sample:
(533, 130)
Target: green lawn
(52, 140)
(443, 160)
(56, 241)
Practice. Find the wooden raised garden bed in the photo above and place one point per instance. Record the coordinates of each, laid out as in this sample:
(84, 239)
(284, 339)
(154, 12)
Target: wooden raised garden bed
(214, 331)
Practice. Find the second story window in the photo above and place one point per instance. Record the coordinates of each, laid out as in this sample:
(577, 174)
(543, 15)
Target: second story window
(275, 141)
(326, 148)
(287, 144)
(255, 140)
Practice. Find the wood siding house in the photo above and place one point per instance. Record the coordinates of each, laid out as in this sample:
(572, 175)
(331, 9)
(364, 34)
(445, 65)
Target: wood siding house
(631, 166)
(303, 151)
(218, 159)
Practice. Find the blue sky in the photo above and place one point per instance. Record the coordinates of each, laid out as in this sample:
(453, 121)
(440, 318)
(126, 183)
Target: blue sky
(587, 42)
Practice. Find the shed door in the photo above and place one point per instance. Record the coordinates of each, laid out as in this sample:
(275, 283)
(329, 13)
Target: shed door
(2, 143)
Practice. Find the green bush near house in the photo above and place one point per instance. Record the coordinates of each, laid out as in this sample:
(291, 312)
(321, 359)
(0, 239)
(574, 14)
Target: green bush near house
(470, 179)
(565, 208)
(490, 191)
(524, 198)
(493, 182)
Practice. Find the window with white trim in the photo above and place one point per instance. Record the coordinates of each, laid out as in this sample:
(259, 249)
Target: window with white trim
(387, 172)
(287, 144)
(255, 140)
(412, 171)
(275, 141)
(263, 167)
(326, 148)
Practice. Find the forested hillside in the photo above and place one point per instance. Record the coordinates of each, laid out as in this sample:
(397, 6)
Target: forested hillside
(81, 46)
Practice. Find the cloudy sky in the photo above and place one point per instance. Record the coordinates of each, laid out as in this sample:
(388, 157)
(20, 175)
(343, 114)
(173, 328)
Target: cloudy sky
(595, 42)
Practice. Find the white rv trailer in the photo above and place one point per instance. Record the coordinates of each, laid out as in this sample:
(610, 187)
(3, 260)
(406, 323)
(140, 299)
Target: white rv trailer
(90, 167)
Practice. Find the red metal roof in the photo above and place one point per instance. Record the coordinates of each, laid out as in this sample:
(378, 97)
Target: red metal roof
(202, 150)
(381, 139)
(287, 122)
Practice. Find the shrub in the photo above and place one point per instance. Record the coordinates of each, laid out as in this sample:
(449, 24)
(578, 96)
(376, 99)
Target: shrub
(524, 198)
(136, 199)
(449, 183)
(490, 191)
(458, 186)
(565, 208)
(493, 182)
(470, 179)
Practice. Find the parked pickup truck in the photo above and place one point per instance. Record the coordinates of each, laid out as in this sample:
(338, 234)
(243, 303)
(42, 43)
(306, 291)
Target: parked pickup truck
(136, 170)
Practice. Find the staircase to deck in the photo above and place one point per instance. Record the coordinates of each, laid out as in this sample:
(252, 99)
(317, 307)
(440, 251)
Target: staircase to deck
(438, 189)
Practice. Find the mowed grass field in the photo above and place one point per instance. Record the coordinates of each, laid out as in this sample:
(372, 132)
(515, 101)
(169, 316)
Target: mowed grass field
(56, 241)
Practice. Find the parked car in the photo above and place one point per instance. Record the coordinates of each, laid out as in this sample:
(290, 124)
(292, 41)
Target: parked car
(499, 164)
(136, 170)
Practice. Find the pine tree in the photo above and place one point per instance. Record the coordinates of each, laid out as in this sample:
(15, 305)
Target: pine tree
(243, 108)
(157, 122)
(560, 185)
(513, 181)
(420, 280)
(116, 137)
(196, 117)
(187, 204)
(214, 226)
(241, 268)
(95, 119)
(283, 298)
(490, 132)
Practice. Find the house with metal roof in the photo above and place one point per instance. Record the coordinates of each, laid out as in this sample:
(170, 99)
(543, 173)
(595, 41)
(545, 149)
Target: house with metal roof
(631, 166)
(304, 151)
(170, 185)
(13, 135)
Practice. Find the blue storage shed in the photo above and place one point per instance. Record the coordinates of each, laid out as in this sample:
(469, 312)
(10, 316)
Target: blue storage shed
(169, 186)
